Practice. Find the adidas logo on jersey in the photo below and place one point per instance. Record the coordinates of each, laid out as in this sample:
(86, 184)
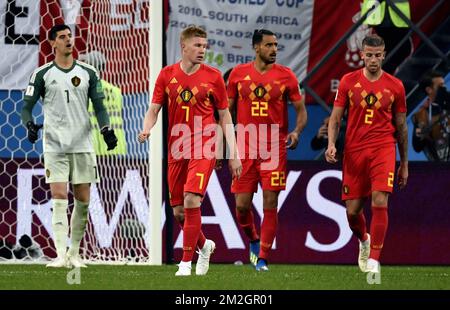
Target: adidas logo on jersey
(54, 82)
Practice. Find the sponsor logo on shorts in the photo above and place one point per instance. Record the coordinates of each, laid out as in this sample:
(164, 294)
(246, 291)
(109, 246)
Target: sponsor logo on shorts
(194, 140)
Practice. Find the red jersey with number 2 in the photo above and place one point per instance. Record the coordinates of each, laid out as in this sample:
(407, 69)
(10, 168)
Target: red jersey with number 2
(371, 107)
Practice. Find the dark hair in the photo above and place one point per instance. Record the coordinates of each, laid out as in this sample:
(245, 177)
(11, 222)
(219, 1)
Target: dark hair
(226, 75)
(258, 35)
(372, 40)
(55, 29)
(427, 80)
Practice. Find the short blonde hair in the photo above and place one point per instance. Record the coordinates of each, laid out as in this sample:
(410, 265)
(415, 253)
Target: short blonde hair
(191, 32)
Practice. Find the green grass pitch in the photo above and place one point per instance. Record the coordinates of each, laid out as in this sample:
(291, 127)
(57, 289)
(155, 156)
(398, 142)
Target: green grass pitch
(224, 277)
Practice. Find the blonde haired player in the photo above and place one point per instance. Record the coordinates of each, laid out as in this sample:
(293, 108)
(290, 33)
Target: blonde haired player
(190, 89)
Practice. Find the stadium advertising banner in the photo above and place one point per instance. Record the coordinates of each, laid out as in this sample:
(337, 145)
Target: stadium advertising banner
(307, 30)
(19, 44)
(230, 26)
(23, 40)
(312, 222)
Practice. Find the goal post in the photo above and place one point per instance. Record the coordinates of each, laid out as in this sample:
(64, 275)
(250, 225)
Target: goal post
(155, 60)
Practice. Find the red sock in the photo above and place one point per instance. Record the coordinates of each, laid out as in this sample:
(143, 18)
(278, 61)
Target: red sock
(378, 227)
(268, 231)
(191, 230)
(201, 237)
(247, 223)
(357, 224)
(201, 240)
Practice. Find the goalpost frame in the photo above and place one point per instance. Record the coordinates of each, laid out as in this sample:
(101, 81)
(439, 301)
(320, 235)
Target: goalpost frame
(156, 143)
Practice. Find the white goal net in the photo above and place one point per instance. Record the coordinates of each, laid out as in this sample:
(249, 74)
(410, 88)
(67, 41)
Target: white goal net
(113, 36)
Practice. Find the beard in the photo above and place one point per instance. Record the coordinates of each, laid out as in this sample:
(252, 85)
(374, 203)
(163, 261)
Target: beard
(269, 60)
(372, 68)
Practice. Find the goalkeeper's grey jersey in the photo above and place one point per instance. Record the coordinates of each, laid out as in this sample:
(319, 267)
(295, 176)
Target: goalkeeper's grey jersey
(65, 95)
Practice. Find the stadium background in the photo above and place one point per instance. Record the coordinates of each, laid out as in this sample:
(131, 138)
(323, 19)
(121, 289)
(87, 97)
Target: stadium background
(312, 218)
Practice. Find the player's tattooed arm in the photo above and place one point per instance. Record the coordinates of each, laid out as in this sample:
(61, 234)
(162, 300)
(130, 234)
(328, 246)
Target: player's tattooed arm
(402, 135)
(402, 141)
(334, 125)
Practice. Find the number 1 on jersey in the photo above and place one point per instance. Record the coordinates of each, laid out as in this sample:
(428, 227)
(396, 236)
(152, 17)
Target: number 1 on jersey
(67, 95)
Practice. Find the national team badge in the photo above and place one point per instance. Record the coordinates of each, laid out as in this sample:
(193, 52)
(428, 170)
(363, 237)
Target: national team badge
(371, 99)
(260, 91)
(346, 189)
(186, 95)
(76, 81)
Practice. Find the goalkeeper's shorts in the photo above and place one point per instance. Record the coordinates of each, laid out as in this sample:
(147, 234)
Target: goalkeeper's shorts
(77, 168)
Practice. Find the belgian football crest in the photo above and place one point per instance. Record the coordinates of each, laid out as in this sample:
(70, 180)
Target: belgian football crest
(260, 91)
(371, 99)
(186, 95)
(76, 81)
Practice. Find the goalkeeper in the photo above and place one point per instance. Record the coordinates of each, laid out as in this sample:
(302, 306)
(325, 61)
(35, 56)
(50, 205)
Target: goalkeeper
(65, 86)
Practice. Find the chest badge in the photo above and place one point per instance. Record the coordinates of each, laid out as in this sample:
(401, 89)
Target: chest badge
(260, 91)
(371, 99)
(186, 95)
(76, 81)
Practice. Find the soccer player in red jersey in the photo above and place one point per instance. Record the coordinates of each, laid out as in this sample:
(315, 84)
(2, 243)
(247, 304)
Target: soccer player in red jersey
(260, 91)
(376, 121)
(191, 90)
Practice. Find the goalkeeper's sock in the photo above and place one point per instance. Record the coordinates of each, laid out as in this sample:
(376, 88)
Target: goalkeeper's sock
(78, 226)
(60, 226)
(192, 227)
(201, 237)
(246, 221)
(357, 224)
(378, 227)
(268, 231)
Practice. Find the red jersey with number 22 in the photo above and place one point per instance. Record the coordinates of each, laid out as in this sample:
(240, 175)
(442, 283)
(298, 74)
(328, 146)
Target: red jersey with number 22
(262, 98)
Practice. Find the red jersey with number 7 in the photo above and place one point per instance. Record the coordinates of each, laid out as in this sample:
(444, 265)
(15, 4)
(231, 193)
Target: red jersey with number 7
(371, 108)
(189, 98)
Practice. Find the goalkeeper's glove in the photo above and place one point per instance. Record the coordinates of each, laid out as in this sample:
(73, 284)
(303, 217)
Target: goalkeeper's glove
(33, 130)
(109, 137)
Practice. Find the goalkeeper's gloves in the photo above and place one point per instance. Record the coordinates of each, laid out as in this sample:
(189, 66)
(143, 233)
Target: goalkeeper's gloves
(33, 130)
(109, 137)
